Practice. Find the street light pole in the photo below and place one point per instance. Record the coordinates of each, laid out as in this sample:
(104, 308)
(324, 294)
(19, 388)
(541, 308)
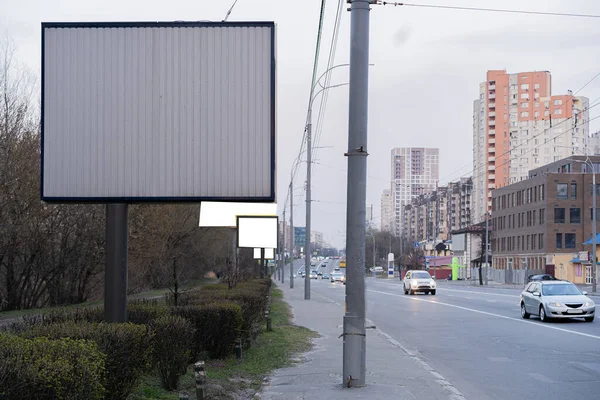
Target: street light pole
(292, 244)
(487, 226)
(594, 262)
(308, 204)
(354, 332)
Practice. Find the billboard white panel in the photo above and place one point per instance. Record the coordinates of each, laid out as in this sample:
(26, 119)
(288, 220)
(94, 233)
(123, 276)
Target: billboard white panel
(222, 214)
(158, 111)
(257, 232)
(269, 254)
(458, 242)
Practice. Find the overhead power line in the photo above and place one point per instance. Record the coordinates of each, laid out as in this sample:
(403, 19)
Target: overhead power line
(230, 10)
(499, 10)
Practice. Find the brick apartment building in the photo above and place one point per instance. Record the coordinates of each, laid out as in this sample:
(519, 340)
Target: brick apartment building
(543, 221)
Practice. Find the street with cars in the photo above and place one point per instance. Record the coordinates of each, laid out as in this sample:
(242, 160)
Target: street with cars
(478, 339)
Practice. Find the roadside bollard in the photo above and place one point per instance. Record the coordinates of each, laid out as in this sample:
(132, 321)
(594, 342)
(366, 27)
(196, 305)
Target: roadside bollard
(184, 396)
(238, 349)
(200, 373)
(268, 317)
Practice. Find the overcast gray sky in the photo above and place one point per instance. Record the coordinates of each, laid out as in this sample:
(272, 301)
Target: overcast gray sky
(428, 64)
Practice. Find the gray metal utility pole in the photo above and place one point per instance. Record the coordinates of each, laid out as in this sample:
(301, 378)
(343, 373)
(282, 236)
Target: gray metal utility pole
(115, 275)
(292, 244)
(594, 262)
(282, 251)
(307, 252)
(354, 332)
(487, 228)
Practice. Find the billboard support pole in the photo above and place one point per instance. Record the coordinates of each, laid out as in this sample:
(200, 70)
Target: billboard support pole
(262, 263)
(115, 275)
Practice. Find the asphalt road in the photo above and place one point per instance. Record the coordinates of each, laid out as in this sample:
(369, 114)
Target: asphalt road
(476, 339)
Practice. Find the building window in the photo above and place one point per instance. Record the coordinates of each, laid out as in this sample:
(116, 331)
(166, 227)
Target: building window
(573, 191)
(542, 216)
(541, 192)
(525, 86)
(562, 191)
(558, 111)
(524, 104)
(557, 102)
(524, 114)
(541, 241)
(592, 213)
(559, 215)
(597, 190)
(559, 240)
(575, 215)
(536, 86)
(569, 240)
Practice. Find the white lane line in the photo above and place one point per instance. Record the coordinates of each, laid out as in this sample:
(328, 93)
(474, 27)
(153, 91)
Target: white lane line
(488, 313)
(479, 292)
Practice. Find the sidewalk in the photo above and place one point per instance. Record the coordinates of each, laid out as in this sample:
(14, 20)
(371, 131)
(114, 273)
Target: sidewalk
(392, 371)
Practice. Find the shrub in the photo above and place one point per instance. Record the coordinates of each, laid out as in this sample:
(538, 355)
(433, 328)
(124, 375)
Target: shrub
(43, 369)
(59, 315)
(217, 287)
(127, 349)
(172, 342)
(217, 326)
(146, 312)
(252, 302)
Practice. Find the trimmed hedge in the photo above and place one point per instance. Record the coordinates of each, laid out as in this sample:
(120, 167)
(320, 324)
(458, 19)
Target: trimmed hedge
(42, 369)
(172, 342)
(127, 348)
(217, 326)
(146, 312)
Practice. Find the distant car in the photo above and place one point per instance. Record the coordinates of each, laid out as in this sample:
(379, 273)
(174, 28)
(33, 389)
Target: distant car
(338, 277)
(418, 281)
(336, 269)
(377, 269)
(319, 273)
(313, 274)
(325, 276)
(552, 299)
(542, 277)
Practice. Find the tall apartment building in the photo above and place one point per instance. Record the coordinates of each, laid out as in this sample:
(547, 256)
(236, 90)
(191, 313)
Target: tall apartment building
(433, 216)
(519, 125)
(459, 204)
(387, 211)
(415, 171)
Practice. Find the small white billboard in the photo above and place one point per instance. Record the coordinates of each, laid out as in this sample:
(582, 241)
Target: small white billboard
(214, 214)
(269, 254)
(257, 232)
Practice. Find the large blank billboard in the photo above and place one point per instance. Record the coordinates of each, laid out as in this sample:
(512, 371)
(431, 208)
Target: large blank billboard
(158, 111)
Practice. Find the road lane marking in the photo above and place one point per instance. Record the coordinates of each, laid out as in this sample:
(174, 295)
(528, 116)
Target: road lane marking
(444, 289)
(489, 314)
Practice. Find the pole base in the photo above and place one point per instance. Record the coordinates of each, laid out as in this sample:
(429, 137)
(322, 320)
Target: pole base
(354, 352)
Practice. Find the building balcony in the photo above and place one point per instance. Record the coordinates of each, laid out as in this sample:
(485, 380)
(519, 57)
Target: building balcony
(492, 96)
(492, 114)
(491, 186)
(492, 123)
(492, 176)
(492, 87)
(492, 104)
(492, 132)
(491, 168)
(491, 150)
(491, 141)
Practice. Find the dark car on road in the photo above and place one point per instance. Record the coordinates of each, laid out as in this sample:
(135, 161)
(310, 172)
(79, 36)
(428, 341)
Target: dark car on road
(542, 277)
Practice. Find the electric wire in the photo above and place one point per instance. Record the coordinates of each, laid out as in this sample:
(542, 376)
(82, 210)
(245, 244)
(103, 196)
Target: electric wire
(498, 10)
